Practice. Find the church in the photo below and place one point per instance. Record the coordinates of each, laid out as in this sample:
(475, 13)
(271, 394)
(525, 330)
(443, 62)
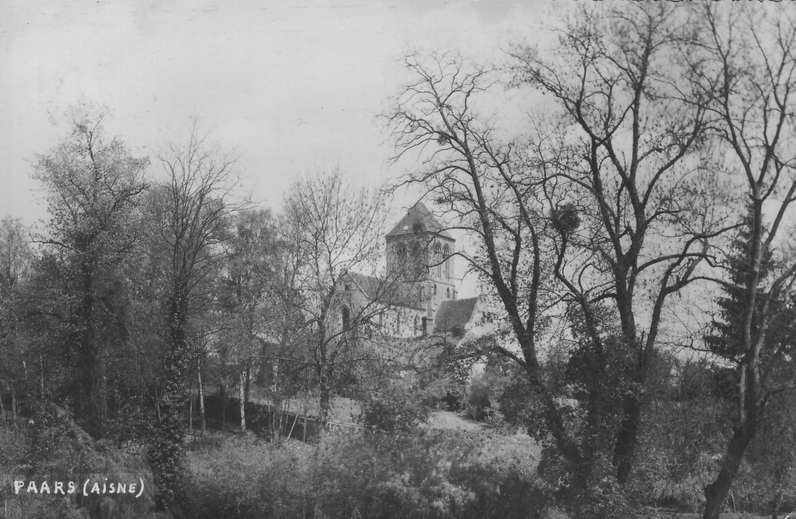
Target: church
(417, 297)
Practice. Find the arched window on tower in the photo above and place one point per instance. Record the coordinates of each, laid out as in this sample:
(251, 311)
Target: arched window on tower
(446, 252)
(448, 293)
(416, 260)
(346, 314)
(437, 260)
(400, 257)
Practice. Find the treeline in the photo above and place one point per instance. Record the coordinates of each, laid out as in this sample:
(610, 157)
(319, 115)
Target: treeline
(153, 280)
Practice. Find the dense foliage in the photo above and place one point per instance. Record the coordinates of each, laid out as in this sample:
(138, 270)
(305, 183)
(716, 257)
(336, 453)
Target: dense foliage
(437, 474)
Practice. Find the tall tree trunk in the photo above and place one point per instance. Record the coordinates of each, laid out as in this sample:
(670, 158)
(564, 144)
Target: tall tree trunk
(241, 394)
(41, 377)
(166, 451)
(157, 405)
(295, 419)
(2, 407)
(306, 403)
(223, 401)
(716, 492)
(323, 383)
(13, 403)
(628, 434)
(103, 392)
(248, 378)
(89, 370)
(776, 502)
(190, 411)
(627, 440)
(201, 396)
(627, 437)
(326, 399)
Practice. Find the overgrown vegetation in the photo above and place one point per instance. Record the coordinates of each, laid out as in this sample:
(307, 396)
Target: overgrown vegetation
(433, 474)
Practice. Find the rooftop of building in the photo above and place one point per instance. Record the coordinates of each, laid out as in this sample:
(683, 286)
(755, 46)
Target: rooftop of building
(419, 219)
(390, 292)
(453, 313)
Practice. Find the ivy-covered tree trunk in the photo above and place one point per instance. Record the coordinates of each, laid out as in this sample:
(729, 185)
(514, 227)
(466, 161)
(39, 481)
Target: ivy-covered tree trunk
(627, 439)
(166, 451)
(188, 215)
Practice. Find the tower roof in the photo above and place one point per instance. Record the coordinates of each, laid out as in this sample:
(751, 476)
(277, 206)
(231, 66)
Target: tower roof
(419, 219)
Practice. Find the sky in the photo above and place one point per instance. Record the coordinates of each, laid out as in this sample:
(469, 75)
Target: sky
(293, 87)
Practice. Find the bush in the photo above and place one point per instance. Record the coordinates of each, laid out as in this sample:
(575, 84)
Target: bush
(478, 405)
(51, 447)
(397, 408)
(436, 474)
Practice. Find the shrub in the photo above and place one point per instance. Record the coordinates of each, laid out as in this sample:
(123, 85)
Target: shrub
(397, 408)
(51, 447)
(433, 474)
(478, 404)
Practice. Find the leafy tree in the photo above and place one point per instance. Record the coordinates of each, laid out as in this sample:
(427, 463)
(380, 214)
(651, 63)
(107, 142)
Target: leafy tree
(15, 269)
(94, 187)
(249, 293)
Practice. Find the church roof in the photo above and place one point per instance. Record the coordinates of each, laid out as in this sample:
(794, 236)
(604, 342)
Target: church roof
(418, 218)
(388, 292)
(452, 313)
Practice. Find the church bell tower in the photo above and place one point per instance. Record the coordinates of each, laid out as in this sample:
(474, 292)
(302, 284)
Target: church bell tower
(420, 253)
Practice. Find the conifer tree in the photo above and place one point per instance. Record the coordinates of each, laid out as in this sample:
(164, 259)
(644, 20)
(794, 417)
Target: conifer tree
(725, 341)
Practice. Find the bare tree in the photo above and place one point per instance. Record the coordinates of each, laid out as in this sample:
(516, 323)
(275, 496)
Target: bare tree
(635, 174)
(601, 211)
(743, 62)
(481, 180)
(331, 229)
(188, 216)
